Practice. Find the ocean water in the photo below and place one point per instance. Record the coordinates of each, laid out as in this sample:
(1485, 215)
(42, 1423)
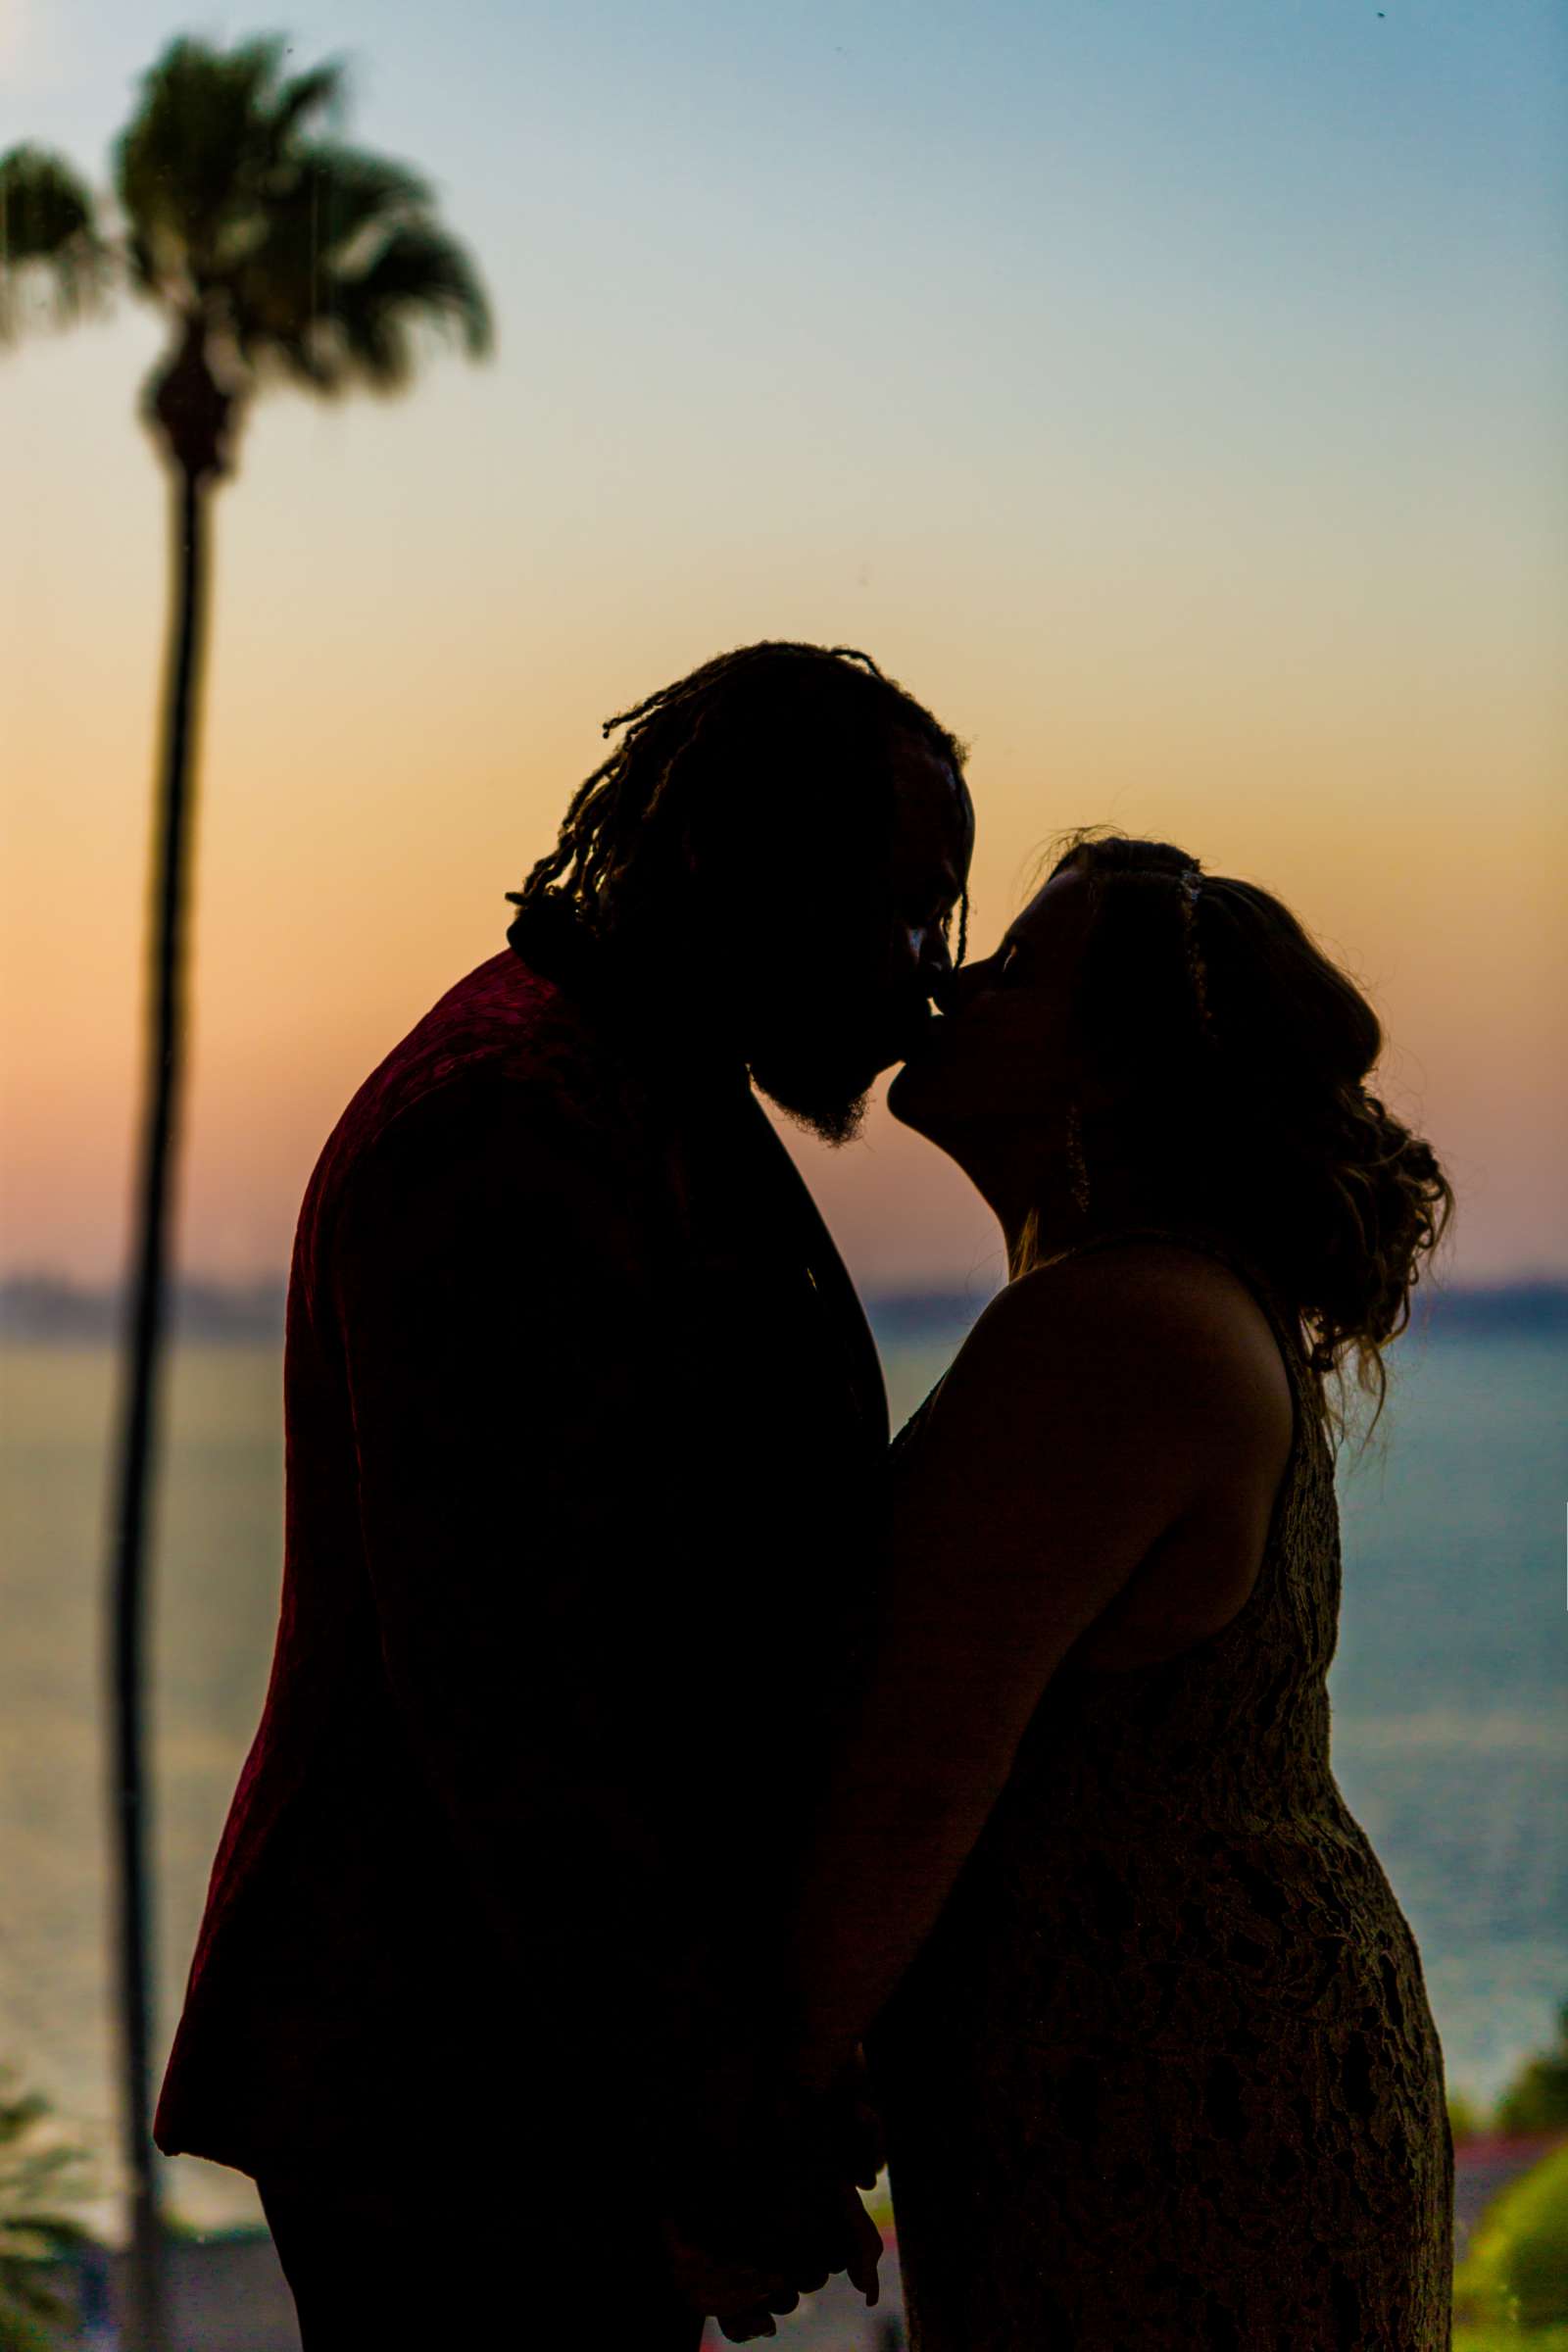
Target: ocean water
(1450, 1729)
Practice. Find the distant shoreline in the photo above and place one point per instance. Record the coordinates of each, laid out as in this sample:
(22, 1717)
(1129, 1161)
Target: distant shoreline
(50, 1309)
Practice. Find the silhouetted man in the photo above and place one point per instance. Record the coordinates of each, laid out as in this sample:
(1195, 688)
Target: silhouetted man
(584, 1426)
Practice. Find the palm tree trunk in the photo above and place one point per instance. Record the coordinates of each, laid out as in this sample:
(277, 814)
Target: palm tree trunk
(146, 2316)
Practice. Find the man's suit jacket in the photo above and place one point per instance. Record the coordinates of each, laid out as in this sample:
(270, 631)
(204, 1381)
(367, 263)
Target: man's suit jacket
(584, 1431)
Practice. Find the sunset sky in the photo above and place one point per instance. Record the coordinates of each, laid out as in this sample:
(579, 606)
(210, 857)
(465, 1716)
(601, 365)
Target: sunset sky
(1172, 395)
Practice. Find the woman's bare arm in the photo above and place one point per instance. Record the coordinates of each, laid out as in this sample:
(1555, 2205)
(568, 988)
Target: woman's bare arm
(1088, 1413)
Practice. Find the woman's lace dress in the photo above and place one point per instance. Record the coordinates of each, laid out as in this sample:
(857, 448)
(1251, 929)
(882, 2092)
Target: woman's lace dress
(1164, 2074)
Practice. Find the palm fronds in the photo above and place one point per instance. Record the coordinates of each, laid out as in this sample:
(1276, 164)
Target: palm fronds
(49, 239)
(309, 260)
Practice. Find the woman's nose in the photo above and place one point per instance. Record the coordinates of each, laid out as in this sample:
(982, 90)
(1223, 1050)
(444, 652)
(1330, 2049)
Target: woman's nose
(943, 989)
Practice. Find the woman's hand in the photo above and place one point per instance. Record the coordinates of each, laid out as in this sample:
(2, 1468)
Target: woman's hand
(853, 2123)
(794, 2239)
(770, 2211)
(740, 2295)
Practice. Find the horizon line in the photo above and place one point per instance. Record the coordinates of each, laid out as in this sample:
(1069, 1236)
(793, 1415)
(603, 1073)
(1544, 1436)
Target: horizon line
(48, 1308)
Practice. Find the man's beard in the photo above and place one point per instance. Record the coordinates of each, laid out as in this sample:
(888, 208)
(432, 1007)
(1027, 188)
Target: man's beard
(824, 1109)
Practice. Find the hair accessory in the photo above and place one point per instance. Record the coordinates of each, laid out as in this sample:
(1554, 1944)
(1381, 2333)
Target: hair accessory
(1077, 1165)
(1189, 881)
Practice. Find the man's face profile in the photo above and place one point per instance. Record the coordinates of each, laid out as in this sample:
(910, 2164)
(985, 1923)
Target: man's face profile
(865, 943)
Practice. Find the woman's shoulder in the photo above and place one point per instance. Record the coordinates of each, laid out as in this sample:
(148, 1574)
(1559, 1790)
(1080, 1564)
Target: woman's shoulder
(1100, 1402)
(1184, 1275)
(1139, 1281)
(1154, 1328)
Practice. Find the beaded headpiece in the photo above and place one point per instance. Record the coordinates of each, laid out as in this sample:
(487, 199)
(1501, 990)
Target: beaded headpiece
(1189, 882)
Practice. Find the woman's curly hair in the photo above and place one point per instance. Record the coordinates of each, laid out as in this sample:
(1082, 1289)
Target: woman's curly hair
(1240, 1056)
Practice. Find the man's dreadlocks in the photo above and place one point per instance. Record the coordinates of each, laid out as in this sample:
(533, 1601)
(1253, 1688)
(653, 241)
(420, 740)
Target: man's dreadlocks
(724, 726)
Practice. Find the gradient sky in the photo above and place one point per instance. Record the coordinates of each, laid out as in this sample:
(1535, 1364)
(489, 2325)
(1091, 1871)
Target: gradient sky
(1172, 395)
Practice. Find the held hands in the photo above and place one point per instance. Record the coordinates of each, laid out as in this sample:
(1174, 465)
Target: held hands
(772, 2210)
(796, 2257)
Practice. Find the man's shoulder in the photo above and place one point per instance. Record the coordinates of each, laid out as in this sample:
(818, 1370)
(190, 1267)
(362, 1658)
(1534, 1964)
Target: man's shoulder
(502, 1045)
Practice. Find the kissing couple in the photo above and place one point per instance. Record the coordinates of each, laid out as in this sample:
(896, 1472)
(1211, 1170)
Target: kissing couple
(670, 1804)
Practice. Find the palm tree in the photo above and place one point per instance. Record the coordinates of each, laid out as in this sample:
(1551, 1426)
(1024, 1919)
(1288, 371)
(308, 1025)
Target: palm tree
(276, 255)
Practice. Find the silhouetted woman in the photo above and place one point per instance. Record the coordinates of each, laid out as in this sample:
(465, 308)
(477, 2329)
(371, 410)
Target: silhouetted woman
(1153, 2051)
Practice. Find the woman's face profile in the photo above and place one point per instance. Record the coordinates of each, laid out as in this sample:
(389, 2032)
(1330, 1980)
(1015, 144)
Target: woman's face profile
(1003, 1049)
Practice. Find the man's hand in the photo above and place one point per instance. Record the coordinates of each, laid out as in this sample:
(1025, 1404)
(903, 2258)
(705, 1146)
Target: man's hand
(824, 2229)
(736, 2293)
(782, 2213)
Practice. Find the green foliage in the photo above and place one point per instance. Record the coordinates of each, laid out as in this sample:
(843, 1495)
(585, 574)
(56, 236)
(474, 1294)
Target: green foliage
(309, 260)
(1516, 2268)
(37, 2169)
(276, 252)
(1537, 2100)
(196, 162)
(1510, 2337)
(48, 238)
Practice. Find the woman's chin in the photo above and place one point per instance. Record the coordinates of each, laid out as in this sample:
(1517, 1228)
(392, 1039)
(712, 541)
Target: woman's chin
(911, 1098)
